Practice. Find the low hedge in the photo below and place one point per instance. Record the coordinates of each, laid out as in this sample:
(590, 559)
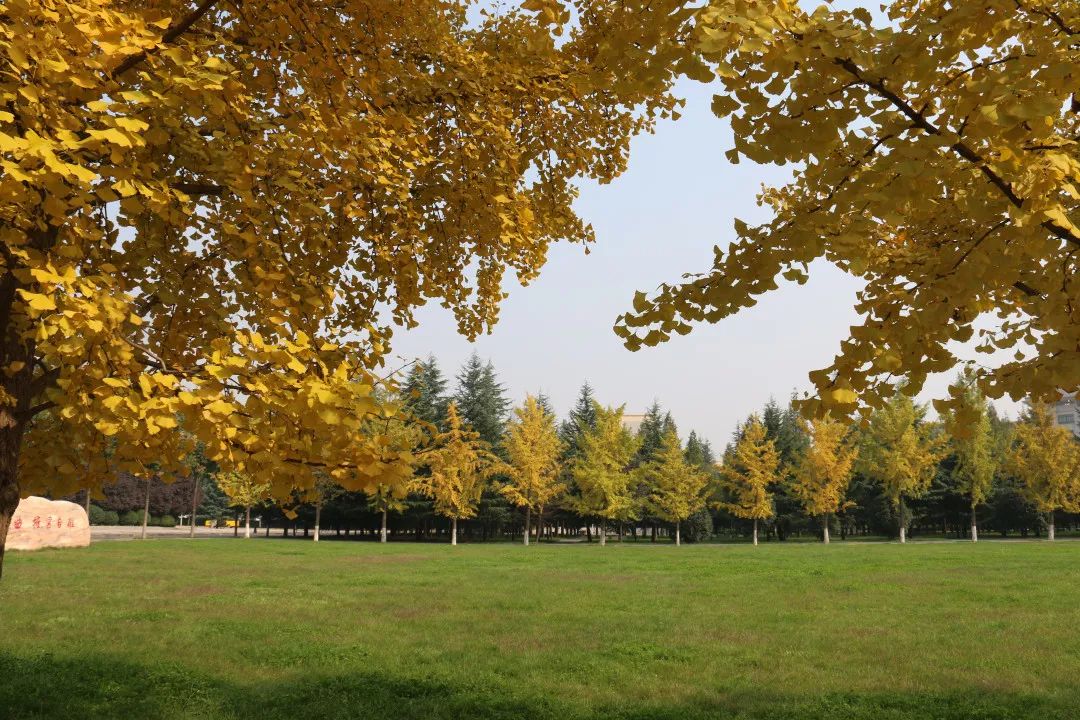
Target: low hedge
(99, 516)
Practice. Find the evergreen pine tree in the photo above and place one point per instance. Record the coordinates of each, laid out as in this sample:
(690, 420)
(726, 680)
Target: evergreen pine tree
(695, 451)
(481, 400)
(545, 403)
(650, 434)
(425, 392)
(582, 418)
(782, 427)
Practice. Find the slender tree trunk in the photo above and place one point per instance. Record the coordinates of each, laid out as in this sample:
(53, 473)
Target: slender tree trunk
(318, 518)
(755, 532)
(901, 513)
(825, 534)
(528, 519)
(974, 526)
(1050, 526)
(603, 535)
(86, 501)
(678, 534)
(247, 522)
(145, 510)
(540, 526)
(588, 532)
(235, 524)
(453, 531)
(382, 530)
(195, 483)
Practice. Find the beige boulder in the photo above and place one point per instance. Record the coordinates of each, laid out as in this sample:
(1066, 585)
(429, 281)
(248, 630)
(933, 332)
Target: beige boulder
(41, 523)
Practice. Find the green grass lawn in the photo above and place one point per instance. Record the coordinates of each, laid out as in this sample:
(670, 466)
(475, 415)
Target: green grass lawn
(290, 629)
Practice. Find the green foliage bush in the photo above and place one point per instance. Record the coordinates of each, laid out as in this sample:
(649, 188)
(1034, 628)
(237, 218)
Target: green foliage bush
(698, 527)
(166, 521)
(131, 517)
(103, 517)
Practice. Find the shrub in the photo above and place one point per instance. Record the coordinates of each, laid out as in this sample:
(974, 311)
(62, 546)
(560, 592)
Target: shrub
(131, 517)
(103, 517)
(698, 527)
(166, 521)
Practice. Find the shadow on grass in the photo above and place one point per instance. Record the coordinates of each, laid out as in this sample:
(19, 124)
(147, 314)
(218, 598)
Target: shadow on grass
(97, 686)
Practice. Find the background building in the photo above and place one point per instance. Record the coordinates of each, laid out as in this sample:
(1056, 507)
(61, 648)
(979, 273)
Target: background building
(1067, 413)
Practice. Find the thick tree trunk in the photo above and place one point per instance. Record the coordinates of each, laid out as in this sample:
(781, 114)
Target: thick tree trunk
(825, 529)
(903, 533)
(20, 386)
(453, 531)
(382, 530)
(1050, 527)
(145, 510)
(603, 535)
(678, 534)
(318, 518)
(247, 522)
(755, 532)
(528, 519)
(10, 441)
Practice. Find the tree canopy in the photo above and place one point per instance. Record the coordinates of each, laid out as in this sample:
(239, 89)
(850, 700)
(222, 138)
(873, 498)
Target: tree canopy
(461, 464)
(750, 468)
(602, 484)
(1047, 459)
(935, 157)
(677, 489)
(216, 212)
(823, 473)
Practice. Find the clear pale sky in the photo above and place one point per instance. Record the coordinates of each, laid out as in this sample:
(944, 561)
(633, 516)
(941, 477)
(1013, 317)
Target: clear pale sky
(659, 220)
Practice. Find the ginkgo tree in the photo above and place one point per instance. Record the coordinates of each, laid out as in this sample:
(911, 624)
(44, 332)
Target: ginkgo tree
(935, 157)
(602, 481)
(823, 472)
(460, 465)
(1046, 459)
(972, 443)
(533, 451)
(243, 491)
(749, 469)
(385, 497)
(900, 451)
(214, 212)
(677, 489)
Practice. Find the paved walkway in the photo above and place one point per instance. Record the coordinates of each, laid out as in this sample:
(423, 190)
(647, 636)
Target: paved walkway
(128, 532)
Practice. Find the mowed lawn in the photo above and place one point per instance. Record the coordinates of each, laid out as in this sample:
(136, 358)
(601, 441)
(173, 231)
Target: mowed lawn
(290, 629)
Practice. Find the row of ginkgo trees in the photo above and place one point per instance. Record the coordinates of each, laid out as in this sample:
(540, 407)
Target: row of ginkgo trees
(900, 451)
(897, 448)
(597, 483)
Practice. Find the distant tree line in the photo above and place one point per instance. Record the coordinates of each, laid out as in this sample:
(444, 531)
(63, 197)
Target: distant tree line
(490, 472)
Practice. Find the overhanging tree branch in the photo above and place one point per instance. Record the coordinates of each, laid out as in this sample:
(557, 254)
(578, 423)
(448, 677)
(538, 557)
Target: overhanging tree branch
(170, 35)
(959, 147)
